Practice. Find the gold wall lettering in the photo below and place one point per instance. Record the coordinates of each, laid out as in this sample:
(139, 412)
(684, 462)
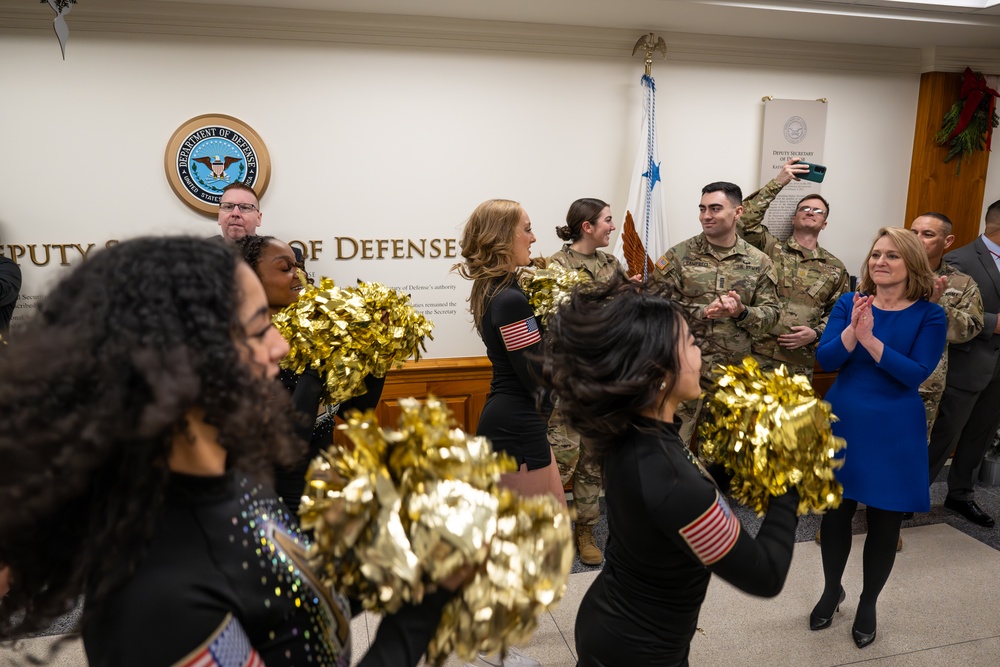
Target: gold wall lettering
(42, 254)
(346, 247)
(343, 248)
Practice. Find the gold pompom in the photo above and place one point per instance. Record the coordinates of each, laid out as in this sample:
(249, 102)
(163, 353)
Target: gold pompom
(548, 287)
(773, 433)
(402, 509)
(348, 334)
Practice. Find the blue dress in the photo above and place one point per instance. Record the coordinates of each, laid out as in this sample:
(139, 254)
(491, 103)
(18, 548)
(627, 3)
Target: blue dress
(880, 412)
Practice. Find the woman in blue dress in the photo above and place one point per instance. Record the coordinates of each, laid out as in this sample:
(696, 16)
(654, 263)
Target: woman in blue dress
(884, 341)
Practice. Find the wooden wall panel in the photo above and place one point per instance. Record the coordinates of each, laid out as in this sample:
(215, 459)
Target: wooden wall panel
(463, 384)
(934, 185)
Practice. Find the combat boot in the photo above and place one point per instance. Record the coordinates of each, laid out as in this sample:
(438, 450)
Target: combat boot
(589, 553)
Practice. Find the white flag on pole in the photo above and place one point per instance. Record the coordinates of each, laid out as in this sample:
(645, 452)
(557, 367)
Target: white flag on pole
(643, 237)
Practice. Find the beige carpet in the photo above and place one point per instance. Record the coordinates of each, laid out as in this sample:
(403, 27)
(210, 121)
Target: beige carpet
(941, 607)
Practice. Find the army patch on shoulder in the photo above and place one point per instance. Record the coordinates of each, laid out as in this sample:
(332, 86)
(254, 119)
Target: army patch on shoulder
(662, 262)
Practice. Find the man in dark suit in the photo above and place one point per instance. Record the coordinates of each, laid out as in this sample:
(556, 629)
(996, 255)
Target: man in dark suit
(10, 286)
(969, 414)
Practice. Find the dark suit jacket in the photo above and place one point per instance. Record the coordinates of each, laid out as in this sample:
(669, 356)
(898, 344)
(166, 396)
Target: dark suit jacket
(971, 365)
(10, 286)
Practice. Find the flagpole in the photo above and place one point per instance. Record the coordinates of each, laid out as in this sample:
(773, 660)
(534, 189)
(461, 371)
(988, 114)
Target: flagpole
(650, 45)
(643, 234)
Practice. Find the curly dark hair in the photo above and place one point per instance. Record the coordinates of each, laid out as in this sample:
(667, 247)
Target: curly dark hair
(609, 348)
(92, 395)
(251, 248)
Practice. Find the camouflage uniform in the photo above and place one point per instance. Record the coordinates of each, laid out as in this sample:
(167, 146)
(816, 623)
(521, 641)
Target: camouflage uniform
(963, 305)
(809, 284)
(564, 440)
(697, 273)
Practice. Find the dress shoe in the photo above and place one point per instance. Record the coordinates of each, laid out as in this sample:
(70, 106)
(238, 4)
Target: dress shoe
(862, 639)
(971, 511)
(817, 622)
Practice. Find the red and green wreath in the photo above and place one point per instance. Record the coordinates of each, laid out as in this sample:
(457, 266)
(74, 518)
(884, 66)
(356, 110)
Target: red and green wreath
(968, 125)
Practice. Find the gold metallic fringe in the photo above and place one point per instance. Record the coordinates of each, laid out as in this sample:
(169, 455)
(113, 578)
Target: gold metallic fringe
(347, 334)
(403, 509)
(548, 287)
(773, 433)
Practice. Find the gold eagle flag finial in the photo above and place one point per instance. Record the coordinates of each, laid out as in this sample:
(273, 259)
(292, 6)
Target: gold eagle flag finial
(651, 44)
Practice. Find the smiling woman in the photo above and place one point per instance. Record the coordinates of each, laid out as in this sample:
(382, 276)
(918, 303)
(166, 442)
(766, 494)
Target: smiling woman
(588, 228)
(884, 344)
(144, 363)
(274, 263)
(496, 243)
(138, 427)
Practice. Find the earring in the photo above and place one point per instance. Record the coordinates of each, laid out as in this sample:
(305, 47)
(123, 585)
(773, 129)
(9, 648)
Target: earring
(663, 385)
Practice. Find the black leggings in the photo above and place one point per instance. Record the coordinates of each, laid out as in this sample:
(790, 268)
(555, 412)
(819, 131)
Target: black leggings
(879, 556)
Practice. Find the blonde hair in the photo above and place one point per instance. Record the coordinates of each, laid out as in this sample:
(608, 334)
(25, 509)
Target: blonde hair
(919, 276)
(488, 250)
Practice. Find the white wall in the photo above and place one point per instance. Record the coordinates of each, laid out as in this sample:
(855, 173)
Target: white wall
(405, 142)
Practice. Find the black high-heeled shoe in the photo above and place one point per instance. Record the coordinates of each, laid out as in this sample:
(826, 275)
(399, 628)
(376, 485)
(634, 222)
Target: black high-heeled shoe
(817, 622)
(862, 639)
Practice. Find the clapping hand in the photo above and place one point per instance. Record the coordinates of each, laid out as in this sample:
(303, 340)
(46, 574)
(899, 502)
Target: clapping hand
(862, 317)
(940, 285)
(726, 305)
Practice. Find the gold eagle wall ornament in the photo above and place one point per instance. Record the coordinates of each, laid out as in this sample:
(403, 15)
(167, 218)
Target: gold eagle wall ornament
(650, 44)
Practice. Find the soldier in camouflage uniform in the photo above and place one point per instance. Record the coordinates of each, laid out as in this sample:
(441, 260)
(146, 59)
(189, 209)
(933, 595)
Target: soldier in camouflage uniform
(727, 285)
(589, 226)
(957, 293)
(810, 279)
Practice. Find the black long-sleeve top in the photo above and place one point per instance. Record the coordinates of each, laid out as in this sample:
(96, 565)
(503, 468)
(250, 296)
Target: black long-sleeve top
(224, 582)
(509, 419)
(307, 391)
(670, 530)
(10, 286)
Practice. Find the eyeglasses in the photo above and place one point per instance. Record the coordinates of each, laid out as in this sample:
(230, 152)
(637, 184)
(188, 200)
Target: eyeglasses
(228, 206)
(810, 209)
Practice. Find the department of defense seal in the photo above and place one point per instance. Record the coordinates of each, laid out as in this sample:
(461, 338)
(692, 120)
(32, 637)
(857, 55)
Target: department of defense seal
(795, 129)
(211, 151)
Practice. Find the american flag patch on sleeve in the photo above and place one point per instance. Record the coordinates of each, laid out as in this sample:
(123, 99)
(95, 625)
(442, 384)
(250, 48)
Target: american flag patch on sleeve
(714, 533)
(229, 646)
(520, 334)
(661, 263)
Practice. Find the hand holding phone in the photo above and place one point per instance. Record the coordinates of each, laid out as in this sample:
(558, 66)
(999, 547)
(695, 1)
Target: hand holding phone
(816, 172)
